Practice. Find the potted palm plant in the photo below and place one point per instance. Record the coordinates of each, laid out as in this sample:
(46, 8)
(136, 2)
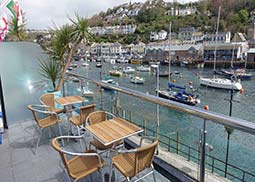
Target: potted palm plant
(51, 70)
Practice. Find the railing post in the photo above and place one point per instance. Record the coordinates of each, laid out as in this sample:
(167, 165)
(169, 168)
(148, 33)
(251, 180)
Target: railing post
(145, 126)
(130, 116)
(212, 164)
(63, 88)
(177, 142)
(123, 114)
(101, 98)
(202, 148)
(117, 103)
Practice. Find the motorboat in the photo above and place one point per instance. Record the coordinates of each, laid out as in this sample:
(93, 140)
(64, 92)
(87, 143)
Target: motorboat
(143, 68)
(74, 65)
(179, 96)
(108, 80)
(128, 70)
(86, 92)
(137, 80)
(85, 64)
(222, 83)
(98, 65)
(115, 73)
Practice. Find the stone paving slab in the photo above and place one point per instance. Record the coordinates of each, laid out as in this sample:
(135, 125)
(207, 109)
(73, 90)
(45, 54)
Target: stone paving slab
(18, 163)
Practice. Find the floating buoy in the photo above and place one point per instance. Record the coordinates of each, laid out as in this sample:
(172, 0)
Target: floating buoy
(190, 82)
(241, 90)
(206, 107)
(174, 81)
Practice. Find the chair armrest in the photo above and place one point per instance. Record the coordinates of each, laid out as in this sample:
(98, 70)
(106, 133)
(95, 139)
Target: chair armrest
(108, 113)
(79, 153)
(148, 138)
(42, 111)
(121, 151)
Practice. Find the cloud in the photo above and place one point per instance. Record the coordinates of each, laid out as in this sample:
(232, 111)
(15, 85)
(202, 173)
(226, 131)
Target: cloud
(41, 13)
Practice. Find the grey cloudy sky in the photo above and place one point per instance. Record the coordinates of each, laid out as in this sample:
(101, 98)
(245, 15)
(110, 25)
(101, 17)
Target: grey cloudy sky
(41, 13)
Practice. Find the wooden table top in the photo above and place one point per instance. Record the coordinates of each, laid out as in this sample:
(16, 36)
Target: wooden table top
(68, 100)
(113, 130)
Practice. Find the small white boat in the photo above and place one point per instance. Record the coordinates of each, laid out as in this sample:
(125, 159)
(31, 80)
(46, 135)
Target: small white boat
(128, 70)
(74, 65)
(220, 83)
(86, 92)
(98, 65)
(137, 80)
(143, 68)
(85, 64)
(115, 73)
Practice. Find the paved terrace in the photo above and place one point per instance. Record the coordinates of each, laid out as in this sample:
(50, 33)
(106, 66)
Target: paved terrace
(19, 164)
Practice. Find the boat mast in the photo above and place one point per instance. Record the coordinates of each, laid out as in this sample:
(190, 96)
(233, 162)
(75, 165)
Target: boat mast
(233, 52)
(217, 32)
(169, 59)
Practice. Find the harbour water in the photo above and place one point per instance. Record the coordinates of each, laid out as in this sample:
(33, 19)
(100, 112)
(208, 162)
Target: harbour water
(19, 70)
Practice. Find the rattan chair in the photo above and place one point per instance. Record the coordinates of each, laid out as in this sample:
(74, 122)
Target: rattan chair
(81, 164)
(47, 119)
(135, 161)
(94, 118)
(79, 120)
(48, 100)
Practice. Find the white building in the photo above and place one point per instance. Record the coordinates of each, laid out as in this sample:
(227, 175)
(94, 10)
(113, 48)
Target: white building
(161, 35)
(109, 30)
(181, 11)
(222, 37)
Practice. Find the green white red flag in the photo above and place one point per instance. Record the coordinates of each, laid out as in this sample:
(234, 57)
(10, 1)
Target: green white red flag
(15, 10)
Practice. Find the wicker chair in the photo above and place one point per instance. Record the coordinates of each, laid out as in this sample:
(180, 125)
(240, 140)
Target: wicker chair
(94, 118)
(81, 164)
(132, 162)
(47, 120)
(80, 120)
(48, 100)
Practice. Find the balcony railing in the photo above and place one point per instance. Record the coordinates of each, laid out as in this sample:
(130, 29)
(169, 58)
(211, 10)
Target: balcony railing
(173, 144)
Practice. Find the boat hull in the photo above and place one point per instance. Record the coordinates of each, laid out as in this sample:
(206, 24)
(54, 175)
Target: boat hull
(162, 94)
(220, 83)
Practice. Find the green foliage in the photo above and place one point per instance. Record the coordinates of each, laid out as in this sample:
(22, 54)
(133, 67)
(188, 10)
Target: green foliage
(50, 69)
(150, 14)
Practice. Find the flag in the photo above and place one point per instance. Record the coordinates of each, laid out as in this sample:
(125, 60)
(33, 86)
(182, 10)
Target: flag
(3, 27)
(15, 10)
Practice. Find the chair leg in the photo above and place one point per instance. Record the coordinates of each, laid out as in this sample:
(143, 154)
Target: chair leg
(110, 175)
(154, 176)
(50, 132)
(79, 133)
(38, 140)
(60, 133)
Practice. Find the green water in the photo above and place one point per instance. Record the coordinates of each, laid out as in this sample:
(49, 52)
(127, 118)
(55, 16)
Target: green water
(19, 62)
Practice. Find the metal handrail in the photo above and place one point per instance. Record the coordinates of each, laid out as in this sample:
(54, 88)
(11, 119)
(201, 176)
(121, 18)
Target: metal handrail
(236, 123)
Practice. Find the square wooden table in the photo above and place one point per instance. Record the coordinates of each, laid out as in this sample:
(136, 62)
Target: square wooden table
(69, 100)
(113, 130)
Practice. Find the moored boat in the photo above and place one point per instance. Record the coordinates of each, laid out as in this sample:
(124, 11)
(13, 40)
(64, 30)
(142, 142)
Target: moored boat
(128, 70)
(143, 68)
(220, 83)
(115, 73)
(98, 65)
(137, 80)
(179, 96)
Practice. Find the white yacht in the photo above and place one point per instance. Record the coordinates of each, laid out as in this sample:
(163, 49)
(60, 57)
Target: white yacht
(143, 68)
(128, 70)
(137, 80)
(220, 83)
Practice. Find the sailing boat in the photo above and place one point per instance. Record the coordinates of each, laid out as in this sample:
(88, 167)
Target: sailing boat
(234, 73)
(222, 83)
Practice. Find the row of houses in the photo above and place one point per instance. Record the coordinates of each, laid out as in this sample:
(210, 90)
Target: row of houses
(159, 51)
(191, 35)
(110, 30)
